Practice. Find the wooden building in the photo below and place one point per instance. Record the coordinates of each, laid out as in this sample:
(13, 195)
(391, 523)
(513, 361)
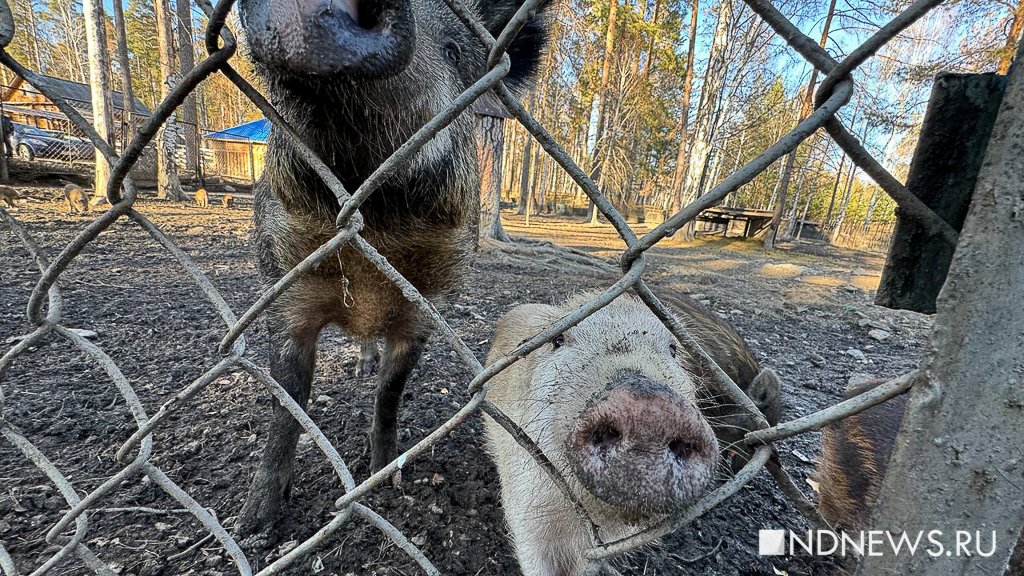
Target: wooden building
(24, 104)
(235, 154)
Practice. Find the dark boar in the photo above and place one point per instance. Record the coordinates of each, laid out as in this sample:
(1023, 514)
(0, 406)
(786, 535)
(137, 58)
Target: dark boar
(855, 455)
(617, 406)
(356, 79)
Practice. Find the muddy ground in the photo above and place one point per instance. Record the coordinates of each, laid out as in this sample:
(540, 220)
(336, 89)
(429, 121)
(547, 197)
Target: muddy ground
(801, 309)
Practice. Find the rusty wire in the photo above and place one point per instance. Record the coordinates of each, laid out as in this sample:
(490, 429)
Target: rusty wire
(134, 455)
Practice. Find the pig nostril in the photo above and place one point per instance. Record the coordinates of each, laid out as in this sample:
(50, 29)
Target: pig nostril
(368, 20)
(605, 436)
(682, 449)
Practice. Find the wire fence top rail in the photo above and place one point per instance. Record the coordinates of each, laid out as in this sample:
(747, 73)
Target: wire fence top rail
(44, 312)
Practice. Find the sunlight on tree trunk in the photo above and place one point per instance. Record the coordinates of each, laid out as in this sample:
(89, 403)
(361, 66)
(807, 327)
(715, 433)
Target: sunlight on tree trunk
(710, 94)
(34, 37)
(674, 199)
(490, 142)
(791, 221)
(99, 88)
(600, 99)
(524, 178)
(128, 95)
(168, 186)
(835, 189)
(188, 124)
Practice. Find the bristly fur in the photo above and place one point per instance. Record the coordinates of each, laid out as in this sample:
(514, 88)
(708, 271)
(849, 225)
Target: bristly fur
(854, 456)
(525, 53)
(423, 217)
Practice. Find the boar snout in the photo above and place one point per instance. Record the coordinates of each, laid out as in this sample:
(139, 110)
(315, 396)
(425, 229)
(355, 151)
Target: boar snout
(323, 38)
(643, 448)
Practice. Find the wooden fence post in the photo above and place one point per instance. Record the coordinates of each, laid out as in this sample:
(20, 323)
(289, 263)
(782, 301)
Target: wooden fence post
(252, 164)
(949, 153)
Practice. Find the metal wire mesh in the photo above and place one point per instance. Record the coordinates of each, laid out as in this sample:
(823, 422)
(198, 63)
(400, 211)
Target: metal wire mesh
(45, 309)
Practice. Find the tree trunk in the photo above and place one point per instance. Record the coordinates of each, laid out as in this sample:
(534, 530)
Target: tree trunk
(704, 124)
(676, 196)
(826, 224)
(540, 185)
(652, 45)
(37, 60)
(72, 35)
(871, 209)
(600, 99)
(99, 87)
(846, 198)
(606, 71)
(4, 174)
(167, 184)
(1013, 37)
(835, 189)
(775, 189)
(509, 167)
(953, 466)
(803, 218)
(490, 146)
(780, 200)
(188, 125)
(791, 220)
(594, 213)
(805, 111)
(524, 177)
(127, 94)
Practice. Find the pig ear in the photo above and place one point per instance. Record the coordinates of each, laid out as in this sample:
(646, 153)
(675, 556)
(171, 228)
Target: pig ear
(521, 323)
(526, 48)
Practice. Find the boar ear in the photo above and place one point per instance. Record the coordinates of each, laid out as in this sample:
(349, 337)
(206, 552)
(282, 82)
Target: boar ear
(526, 48)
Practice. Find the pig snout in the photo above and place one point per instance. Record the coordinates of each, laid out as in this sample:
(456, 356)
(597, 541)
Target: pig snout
(361, 38)
(642, 448)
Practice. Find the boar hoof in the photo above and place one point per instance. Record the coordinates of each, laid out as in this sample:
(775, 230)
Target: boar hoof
(259, 512)
(382, 451)
(381, 458)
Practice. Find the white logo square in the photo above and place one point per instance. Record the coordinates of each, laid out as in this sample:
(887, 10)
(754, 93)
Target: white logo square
(771, 542)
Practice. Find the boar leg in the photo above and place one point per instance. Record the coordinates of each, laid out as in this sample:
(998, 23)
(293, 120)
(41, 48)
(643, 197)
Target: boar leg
(292, 360)
(401, 354)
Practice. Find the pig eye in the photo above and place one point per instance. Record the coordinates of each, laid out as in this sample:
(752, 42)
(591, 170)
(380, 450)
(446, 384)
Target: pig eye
(673, 349)
(452, 52)
(558, 342)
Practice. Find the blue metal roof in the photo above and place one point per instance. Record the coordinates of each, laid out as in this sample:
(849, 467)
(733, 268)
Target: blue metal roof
(257, 131)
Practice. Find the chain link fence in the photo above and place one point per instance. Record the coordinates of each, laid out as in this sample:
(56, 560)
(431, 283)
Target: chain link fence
(45, 307)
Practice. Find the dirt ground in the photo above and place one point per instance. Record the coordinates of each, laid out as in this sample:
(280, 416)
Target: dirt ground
(805, 311)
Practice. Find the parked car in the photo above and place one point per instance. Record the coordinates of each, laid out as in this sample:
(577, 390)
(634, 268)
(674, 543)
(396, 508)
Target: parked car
(31, 143)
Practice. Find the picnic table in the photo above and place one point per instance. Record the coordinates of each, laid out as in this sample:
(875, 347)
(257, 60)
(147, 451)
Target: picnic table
(753, 220)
